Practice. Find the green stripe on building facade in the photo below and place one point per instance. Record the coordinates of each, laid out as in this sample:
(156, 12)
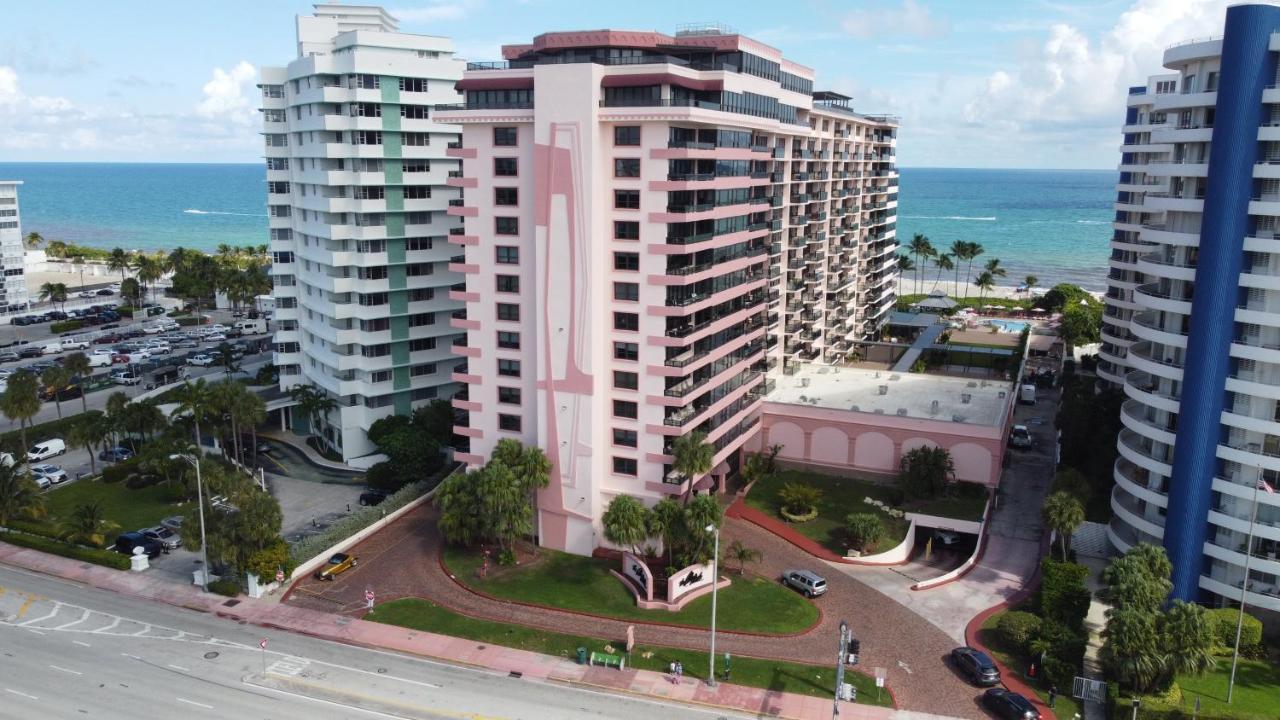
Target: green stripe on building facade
(397, 296)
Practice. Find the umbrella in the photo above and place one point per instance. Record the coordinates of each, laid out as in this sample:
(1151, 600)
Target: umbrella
(937, 303)
(990, 307)
(1038, 310)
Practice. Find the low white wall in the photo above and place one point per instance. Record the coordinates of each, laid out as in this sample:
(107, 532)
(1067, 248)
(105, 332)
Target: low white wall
(309, 566)
(896, 555)
(967, 564)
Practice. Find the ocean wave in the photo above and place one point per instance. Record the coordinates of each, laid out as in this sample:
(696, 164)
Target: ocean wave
(1068, 222)
(950, 217)
(193, 211)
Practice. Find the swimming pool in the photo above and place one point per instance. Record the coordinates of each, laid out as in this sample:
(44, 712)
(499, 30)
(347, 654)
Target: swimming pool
(1009, 326)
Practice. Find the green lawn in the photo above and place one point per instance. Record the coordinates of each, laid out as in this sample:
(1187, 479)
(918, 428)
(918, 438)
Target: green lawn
(967, 507)
(841, 496)
(1066, 706)
(130, 509)
(772, 674)
(584, 584)
(1256, 695)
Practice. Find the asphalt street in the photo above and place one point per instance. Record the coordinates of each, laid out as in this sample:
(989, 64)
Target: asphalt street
(71, 651)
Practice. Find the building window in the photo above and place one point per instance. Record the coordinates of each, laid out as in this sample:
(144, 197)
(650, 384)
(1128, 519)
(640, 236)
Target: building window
(626, 230)
(509, 368)
(626, 351)
(507, 254)
(413, 84)
(624, 466)
(506, 196)
(506, 226)
(625, 438)
(508, 283)
(420, 344)
(508, 340)
(626, 291)
(626, 135)
(505, 167)
(509, 396)
(626, 321)
(624, 380)
(509, 312)
(625, 409)
(626, 199)
(509, 423)
(625, 168)
(504, 137)
(626, 261)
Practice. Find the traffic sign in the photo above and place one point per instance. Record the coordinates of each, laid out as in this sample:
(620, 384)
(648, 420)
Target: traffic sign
(263, 644)
(280, 576)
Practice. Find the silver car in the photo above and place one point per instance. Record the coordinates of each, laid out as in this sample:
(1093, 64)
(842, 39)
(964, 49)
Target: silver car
(806, 581)
(163, 535)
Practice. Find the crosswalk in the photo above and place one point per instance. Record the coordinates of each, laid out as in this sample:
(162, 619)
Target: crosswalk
(39, 614)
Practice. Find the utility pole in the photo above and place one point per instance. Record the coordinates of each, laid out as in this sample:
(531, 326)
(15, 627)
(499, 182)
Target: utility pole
(844, 645)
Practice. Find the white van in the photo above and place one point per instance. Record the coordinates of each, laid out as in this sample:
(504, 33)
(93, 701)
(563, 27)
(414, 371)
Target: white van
(46, 449)
(52, 348)
(251, 327)
(1027, 395)
(99, 359)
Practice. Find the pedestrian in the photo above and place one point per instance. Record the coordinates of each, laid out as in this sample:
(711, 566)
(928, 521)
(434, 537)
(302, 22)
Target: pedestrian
(672, 667)
(679, 671)
(1053, 695)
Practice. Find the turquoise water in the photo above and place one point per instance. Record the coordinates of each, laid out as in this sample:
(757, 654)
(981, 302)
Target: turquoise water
(1053, 224)
(1008, 326)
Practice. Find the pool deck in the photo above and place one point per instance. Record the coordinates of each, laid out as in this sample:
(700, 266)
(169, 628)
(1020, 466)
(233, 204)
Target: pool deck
(922, 342)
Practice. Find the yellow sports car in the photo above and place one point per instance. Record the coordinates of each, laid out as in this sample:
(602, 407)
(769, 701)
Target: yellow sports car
(337, 565)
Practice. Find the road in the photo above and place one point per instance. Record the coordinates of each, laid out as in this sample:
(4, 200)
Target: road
(71, 651)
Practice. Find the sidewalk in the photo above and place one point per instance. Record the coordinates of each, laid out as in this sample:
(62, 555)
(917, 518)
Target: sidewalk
(271, 614)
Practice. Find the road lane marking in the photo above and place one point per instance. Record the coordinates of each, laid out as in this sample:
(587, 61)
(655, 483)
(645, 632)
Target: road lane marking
(135, 657)
(109, 627)
(66, 670)
(21, 694)
(193, 702)
(64, 626)
(50, 614)
(179, 667)
(81, 643)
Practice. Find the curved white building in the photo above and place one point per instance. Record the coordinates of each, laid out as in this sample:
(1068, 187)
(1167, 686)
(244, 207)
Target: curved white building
(357, 201)
(1192, 328)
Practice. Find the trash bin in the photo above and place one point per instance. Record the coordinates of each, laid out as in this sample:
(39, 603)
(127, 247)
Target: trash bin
(582, 656)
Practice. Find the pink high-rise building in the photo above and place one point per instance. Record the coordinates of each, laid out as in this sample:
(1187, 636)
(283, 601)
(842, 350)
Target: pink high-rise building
(652, 225)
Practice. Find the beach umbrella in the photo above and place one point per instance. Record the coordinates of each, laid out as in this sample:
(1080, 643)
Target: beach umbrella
(1037, 310)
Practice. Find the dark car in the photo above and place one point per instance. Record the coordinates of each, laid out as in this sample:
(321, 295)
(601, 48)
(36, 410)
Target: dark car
(106, 291)
(976, 665)
(1009, 705)
(130, 540)
(115, 454)
(109, 327)
(30, 352)
(66, 392)
(23, 320)
(56, 315)
(373, 497)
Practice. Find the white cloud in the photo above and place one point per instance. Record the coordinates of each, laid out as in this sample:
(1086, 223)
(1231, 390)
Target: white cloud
(436, 11)
(227, 95)
(909, 18)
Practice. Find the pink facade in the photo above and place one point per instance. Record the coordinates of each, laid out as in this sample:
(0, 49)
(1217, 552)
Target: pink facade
(630, 206)
(844, 440)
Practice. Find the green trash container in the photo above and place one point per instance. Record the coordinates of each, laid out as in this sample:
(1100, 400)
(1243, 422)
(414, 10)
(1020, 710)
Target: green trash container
(582, 656)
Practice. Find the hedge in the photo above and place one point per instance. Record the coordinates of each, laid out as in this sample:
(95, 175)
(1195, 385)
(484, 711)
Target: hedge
(11, 441)
(65, 326)
(188, 321)
(1017, 628)
(1063, 595)
(107, 558)
(230, 588)
(1224, 622)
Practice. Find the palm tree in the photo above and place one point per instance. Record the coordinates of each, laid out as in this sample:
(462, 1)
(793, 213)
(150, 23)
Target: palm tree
(738, 552)
(56, 378)
(984, 282)
(148, 269)
(1030, 281)
(906, 265)
(944, 263)
(314, 404)
(90, 432)
(1188, 638)
(975, 249)
(19, 496)
(145, 417)
(1131, 648)
(54, 293)
(131, 290)
(118, 260)
(993, 267)
(960, 253)
(626, 522)
(88, 524)
(666, 521)
(693, 455)
(77, 364)
(21, 401)
(56, 249)
(33, 240)
(1063, 513)
(194, 399)
(78, 261)
(919, 248)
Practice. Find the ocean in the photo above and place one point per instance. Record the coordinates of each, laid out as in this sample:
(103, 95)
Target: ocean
(1054, 224)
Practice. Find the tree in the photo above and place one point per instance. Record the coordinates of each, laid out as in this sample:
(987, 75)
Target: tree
(246, 522)
(90, 431)
(865, 529)
(1139, 579)
(437, 419)
(700, 513)
(925, 471)
(985, 282)
(1131, 648)
(1081, 324)
(196, 400)
(148, 269)
(54, 293)
(56, 379)
(993, 266)
(974, 249)
(907, 265)
(270, 559)
(944, 262)
(1064, 295)
(504, 505)
(738, 552)
(1030, 281)
(144, 417)
(457, 503)
(131, 291)
(33, 240)
(227, 359)
(920, 248)
(666, 521)
(959, 253)
(119, 260)
(20, 497)
(1063, 513)
(693, 455)
(314, 404)
(21, 401)
(799, 498)
(88, 524)
(77, 364)
(1187, 636)
(626, 522)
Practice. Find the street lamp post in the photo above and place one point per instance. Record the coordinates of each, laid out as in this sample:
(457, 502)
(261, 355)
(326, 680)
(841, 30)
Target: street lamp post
(1244, 586)
(715, 581)
(204, 546)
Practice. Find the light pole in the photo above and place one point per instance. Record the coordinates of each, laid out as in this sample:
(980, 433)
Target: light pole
(204, 547)
(1244, 586)
(715, 581)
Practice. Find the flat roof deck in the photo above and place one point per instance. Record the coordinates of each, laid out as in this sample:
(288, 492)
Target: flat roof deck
(912, 395)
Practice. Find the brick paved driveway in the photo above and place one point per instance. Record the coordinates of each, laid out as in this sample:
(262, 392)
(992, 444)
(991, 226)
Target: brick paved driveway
(402, 561)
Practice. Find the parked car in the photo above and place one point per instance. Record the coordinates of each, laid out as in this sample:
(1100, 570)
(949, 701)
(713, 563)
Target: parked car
(130, 540)
(1020, 437)
(106, 291)
(99, 359)
(55, 474)
(47, 449)
(338, 564)
(125, 377)
(201, 360)
(42, 482)
(118, 453)
(86, 294)
(946, 537)
(66, 392)
(30, 351)
(215, 337)
(173, 522)
(9, 356)
(976, 665)
(51, 348)
(77, 343)
(372, 497)
(167, 538)
(1009, 705)
(806, 581)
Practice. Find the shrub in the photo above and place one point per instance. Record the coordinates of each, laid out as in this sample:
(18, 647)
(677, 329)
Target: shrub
(65, 326)
(139, 480)
(106, 558)
(1017, 628)
(387, 476)
(1063, 595)
(119, 471)
(865, 529)
(266, 562)
(224, 586)
(1058, 672)
(799, 498)
(1224, 620)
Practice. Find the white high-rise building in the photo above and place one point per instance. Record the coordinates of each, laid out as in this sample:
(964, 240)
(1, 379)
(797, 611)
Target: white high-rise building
(13, 283)
(357, 200)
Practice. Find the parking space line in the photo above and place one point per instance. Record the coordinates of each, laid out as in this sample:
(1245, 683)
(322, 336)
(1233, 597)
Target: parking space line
(66, 670)
(193, 702)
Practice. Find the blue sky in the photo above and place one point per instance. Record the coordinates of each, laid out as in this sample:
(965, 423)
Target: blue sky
(978, 83)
